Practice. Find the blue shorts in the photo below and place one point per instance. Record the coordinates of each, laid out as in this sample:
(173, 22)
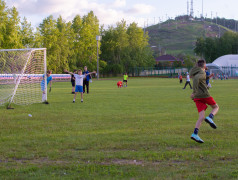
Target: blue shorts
(78, 88)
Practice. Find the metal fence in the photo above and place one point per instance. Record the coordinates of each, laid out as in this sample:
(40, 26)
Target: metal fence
(229, 71)
(155, 71)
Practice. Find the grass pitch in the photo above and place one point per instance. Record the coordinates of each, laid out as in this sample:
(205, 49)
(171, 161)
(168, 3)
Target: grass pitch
(139, 132)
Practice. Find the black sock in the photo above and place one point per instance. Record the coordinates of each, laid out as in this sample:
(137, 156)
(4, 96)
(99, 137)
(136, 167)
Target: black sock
(196, 131)
(211, 115)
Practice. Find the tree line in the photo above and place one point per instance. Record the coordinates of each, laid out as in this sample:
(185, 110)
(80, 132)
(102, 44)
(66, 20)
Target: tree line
(212, 48)
(72, 45)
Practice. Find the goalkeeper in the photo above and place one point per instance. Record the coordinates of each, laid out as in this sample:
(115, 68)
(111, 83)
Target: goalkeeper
(49, 79)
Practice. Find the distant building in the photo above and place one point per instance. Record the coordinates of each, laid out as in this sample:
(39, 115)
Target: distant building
(167, 58)
(227, 64)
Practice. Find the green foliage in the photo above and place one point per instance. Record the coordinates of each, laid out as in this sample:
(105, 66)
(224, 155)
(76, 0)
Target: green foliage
(3, 21)
(71, 45)
(189, 61)
(27, 34)
(11, 35)
(212, 48)
(180, 36)
(125, 47)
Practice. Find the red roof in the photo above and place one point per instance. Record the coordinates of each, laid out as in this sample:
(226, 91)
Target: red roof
(166, 58)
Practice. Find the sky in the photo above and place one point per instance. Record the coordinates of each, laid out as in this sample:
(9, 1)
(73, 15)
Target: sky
(109, 12)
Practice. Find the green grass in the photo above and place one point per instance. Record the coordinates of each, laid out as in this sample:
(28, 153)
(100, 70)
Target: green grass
(180, 37)
(139, 132)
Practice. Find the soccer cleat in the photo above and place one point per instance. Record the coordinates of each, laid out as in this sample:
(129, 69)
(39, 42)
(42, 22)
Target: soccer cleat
(81, 100)
(73, 101)
(196, 138)
(210, 122)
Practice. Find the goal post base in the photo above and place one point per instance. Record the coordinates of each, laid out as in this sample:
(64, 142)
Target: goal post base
(9, 107)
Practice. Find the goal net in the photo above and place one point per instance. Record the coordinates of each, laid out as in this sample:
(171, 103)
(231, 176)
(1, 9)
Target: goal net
(22, 75)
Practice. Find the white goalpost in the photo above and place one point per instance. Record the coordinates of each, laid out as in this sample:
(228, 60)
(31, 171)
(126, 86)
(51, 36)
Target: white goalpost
(22, 76)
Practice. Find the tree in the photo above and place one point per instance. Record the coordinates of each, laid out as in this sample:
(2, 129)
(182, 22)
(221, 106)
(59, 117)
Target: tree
(3, 22)
(27, 35)
(212, 48)
(49, 36)
(76, 27)
(126, 47)
(12, 38)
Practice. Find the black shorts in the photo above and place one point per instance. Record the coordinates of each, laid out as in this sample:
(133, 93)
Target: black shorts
(124, 80)
(73, 83)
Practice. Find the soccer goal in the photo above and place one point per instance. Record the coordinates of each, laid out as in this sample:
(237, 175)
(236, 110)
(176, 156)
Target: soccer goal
(22, 71)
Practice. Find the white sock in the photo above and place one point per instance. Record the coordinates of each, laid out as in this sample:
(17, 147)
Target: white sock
(81, 99)
(74, 100)
(43, 97)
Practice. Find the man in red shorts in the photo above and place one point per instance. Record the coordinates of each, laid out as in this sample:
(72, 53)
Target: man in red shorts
(202, 98)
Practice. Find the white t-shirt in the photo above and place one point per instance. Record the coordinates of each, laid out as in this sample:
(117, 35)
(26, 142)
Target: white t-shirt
(188, 78)
(79, 79)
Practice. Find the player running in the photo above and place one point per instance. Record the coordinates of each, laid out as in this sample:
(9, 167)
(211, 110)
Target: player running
(187, 81)
(208, 76)
(202, 97)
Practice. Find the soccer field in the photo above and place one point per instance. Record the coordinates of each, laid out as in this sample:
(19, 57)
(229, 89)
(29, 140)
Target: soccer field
(139, 132)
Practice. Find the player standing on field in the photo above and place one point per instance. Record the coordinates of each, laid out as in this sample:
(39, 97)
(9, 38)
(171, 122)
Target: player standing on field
(86, 80)
(73, 81)
(125, 78)
(79, 83)
(180, 78)
(202, 97)
(49, 80)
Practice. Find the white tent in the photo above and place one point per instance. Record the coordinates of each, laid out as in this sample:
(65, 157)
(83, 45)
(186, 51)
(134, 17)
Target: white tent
(227, 64)
(230, 60)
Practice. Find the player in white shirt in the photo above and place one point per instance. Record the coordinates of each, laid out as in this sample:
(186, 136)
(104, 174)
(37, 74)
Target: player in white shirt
(187, 81)
(79, 83)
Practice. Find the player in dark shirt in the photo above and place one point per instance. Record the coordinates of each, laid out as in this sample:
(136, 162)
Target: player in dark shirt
(73, 81)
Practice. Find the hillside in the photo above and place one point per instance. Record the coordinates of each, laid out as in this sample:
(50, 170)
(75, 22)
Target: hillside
(176, 37)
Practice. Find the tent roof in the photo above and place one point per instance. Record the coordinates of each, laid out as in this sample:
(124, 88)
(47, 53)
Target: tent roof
(227, 60)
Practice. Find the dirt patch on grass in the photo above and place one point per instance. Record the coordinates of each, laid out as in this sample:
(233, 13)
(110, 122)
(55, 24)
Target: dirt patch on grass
(34, 161)
(124, 162)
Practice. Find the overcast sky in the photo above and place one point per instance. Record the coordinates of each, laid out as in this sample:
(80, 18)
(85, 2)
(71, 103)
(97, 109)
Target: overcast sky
(111, 11)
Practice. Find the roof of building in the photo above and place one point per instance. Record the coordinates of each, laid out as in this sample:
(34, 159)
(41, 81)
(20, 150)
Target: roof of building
(227, 60)
(166, 58)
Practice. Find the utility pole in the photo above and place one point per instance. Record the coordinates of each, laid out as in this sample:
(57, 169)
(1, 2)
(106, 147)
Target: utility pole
(98, 38)
(144, 27)
(211, 17)
(216, 17)
(202, 8)
(187, 8)
(191, 11)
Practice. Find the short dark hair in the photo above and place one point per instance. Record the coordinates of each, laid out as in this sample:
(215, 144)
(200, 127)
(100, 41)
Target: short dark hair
(201, 63)
(79, 70)
(75, 70)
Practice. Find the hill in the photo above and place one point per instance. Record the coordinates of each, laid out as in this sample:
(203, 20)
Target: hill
(176, 37)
